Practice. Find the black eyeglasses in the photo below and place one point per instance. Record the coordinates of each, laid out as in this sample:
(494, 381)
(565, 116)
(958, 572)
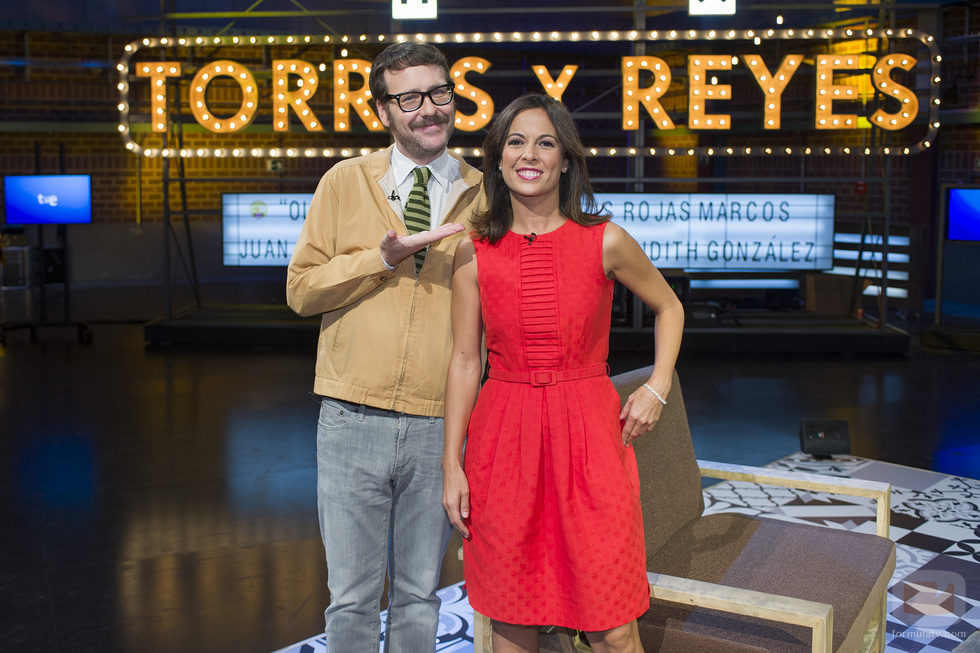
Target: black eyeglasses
(412, 100)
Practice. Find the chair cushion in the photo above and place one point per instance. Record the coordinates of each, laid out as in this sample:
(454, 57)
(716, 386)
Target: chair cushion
(848, 570)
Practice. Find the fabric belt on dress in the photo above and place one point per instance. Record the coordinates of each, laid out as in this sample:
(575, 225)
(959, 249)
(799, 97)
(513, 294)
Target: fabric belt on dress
(549, 377)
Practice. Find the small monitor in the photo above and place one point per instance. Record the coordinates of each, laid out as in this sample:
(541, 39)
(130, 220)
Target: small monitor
(47, 199)
(963, 214)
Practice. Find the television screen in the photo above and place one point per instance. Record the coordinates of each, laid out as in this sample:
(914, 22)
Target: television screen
(963, 214)
(47, 199)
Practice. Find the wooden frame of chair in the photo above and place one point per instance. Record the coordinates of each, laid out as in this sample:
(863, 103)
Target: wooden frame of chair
(817, 616)
(880, 492)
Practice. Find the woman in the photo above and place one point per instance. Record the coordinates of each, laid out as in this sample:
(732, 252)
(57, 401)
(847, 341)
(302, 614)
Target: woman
(549, 501)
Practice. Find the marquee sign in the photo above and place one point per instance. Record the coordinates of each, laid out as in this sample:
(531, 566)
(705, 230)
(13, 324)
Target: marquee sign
(839, 74)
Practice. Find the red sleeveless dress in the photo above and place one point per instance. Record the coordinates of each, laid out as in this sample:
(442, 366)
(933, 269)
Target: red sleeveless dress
(555, 518)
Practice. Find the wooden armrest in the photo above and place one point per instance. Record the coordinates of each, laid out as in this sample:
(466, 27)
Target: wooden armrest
(880, 492)
(819, 617)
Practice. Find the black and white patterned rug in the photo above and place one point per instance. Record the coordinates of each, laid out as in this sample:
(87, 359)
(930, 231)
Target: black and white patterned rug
(934, 595)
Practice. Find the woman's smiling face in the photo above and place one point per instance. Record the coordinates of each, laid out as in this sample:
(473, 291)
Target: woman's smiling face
(532, 160)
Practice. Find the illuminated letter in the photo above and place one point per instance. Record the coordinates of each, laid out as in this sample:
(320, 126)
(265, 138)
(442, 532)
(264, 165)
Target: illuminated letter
(884, 82)
(773, 85)
(283, 98)
(633, 95)
(827, 92)
(479, 97)
(158, 74)
(699, 92)
(250, 97)
(345, 98)
(551, 87)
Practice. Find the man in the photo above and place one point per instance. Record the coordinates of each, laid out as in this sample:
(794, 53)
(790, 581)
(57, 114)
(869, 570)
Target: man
(383, 352)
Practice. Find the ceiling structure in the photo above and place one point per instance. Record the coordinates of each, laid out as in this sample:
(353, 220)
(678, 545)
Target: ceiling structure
(374, 16)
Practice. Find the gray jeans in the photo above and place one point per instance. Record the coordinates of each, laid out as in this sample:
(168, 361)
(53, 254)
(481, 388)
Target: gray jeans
(379, 493)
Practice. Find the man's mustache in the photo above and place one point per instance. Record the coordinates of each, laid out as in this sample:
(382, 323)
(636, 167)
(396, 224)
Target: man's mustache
(431, 120)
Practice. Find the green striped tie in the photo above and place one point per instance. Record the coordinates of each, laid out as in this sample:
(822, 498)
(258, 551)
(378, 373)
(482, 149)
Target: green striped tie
(417, 210)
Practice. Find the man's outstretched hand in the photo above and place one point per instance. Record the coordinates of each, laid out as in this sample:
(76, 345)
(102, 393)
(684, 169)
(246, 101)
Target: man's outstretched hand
(395, 248)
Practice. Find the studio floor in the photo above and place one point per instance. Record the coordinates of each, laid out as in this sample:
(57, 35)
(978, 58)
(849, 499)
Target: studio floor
(162, 498)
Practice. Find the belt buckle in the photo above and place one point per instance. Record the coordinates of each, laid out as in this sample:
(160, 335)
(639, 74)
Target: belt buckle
(544, 377)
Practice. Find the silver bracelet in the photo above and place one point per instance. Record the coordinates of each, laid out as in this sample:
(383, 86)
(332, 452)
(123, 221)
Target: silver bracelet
(656, 394)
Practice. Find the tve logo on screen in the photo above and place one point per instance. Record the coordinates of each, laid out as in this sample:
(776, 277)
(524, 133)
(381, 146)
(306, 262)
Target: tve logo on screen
(48, 199)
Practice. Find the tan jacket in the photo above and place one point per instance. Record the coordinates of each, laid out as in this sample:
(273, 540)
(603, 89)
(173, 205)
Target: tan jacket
(385, 339)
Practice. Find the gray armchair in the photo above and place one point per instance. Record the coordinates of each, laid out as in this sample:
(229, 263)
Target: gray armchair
(740, 583)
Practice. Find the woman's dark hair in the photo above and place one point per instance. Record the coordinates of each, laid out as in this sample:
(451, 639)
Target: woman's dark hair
(575, 198)
(400, 56)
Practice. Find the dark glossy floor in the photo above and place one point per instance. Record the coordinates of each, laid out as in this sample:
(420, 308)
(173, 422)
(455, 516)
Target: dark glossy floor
(163, 500)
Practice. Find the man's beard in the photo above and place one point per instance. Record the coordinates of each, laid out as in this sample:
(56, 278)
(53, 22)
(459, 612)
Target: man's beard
(418, 145)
